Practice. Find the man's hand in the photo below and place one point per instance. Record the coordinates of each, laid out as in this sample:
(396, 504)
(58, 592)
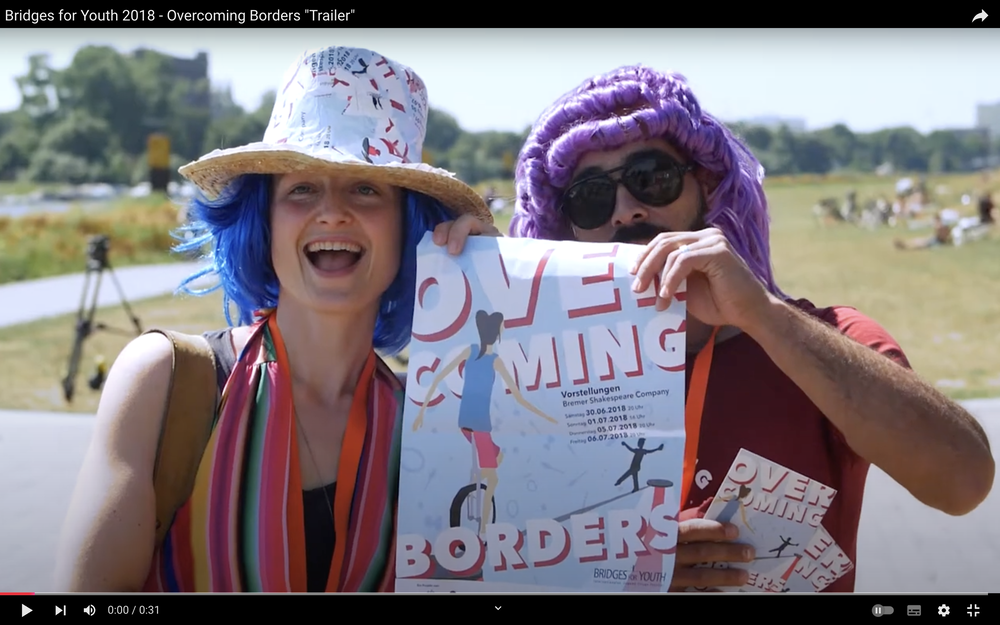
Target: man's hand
(706, 542)
(721, 289)
(454, 233)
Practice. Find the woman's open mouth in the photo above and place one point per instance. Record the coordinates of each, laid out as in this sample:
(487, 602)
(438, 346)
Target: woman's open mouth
(334, 257)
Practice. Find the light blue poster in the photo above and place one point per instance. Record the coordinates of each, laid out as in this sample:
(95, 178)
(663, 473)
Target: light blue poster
(543, 434)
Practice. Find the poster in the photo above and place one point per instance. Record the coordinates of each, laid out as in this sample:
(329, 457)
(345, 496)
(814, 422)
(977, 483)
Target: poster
(543, 432)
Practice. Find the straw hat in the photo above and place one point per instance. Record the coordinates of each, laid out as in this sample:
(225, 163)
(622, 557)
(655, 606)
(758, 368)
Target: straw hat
(345, 110)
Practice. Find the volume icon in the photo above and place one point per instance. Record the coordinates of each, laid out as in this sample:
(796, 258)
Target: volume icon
(89, 610)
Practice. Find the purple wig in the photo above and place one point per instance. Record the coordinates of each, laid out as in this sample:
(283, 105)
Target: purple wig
(633, 104)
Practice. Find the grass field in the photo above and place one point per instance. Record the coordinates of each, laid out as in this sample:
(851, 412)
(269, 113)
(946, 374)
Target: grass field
(40, 245)
(942, 305)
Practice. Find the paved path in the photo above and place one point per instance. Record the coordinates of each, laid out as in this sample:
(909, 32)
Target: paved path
(903, 545)
(51, 297)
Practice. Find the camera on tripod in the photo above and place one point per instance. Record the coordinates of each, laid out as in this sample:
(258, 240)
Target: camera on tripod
(98, 247)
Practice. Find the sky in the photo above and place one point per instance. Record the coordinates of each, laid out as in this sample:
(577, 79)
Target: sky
(503, 79)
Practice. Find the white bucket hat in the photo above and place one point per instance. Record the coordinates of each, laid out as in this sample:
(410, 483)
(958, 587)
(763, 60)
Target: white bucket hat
(344, 110)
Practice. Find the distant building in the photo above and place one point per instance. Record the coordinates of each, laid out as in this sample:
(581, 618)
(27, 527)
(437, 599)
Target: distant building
(988, 118)
(772, 122)
(192, 69)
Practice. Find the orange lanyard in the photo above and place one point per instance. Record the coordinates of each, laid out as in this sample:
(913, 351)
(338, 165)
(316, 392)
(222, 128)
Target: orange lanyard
(693, 409)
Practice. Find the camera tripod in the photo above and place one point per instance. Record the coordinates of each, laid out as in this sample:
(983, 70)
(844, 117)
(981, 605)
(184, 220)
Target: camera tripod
(97, 264)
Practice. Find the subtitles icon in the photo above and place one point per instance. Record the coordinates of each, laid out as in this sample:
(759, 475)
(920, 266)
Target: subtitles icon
(913, 610)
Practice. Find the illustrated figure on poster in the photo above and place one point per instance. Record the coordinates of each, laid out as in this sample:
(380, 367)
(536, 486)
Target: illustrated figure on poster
(363, 70)
(734, 504)
(482, 364)
(785, 543)
(637, 455)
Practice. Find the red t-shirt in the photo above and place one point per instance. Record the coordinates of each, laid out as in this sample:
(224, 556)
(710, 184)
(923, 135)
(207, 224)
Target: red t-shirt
(751, 404)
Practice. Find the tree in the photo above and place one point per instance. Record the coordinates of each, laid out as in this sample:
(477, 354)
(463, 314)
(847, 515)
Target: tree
(842, 143)
(77, 149)
(442, 131)
(38, 97)
(18, 139)
(99, 83)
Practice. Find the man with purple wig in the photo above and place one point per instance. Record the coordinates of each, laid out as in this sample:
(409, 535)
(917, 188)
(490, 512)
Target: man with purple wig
(631, 157)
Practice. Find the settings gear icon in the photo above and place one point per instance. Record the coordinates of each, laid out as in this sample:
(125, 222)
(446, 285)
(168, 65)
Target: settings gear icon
(944, 610)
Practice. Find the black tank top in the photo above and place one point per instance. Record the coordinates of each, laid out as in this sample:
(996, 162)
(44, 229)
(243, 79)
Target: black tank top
(316, 505)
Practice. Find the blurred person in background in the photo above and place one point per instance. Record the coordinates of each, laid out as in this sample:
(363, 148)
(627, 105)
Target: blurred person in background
(986, 207)
(942, 235)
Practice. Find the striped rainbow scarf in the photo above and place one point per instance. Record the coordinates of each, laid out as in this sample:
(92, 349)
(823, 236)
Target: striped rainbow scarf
(242, 530)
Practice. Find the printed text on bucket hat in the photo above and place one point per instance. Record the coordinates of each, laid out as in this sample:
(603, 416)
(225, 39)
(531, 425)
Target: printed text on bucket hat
(350, 110)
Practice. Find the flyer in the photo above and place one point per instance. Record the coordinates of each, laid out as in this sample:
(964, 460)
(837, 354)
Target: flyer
(778, 511)
(821, 563)
(543, 432)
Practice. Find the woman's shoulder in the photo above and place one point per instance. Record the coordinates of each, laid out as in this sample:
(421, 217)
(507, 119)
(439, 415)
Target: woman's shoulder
(141, 373)
(146, 354)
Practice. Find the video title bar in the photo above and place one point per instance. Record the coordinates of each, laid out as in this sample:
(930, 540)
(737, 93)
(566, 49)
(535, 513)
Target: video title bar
(677, 15)
(261, 606)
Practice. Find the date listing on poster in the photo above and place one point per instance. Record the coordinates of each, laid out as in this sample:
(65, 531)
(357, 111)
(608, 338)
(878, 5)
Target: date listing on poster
(158, 16)
(606, 413)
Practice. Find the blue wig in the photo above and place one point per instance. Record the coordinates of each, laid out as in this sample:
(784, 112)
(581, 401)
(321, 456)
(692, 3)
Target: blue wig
(237, 227)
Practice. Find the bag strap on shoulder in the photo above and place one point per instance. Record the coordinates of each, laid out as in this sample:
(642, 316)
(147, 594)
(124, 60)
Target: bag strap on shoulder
(187, 425)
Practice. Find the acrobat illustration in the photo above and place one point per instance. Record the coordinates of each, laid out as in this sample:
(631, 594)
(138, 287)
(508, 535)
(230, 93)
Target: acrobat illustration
(637, 455)
(482, 364)
(785, 544)
(734, 504)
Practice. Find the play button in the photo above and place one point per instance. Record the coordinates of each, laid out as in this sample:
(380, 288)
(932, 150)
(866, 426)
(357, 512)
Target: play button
(24, 610)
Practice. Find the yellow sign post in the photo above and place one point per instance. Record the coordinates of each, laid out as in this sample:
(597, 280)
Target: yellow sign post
(158, 157)
(508, 162)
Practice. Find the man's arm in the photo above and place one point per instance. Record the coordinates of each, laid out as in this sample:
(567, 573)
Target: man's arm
(887, 414)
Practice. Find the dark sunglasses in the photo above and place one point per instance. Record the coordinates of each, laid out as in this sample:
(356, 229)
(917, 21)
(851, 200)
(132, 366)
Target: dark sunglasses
(654, 178)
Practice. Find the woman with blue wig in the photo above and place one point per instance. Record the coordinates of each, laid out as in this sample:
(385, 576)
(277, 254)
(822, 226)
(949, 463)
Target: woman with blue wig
(313, 235)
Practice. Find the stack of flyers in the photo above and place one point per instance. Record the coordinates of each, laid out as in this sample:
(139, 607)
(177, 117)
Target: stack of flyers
(779, 513)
